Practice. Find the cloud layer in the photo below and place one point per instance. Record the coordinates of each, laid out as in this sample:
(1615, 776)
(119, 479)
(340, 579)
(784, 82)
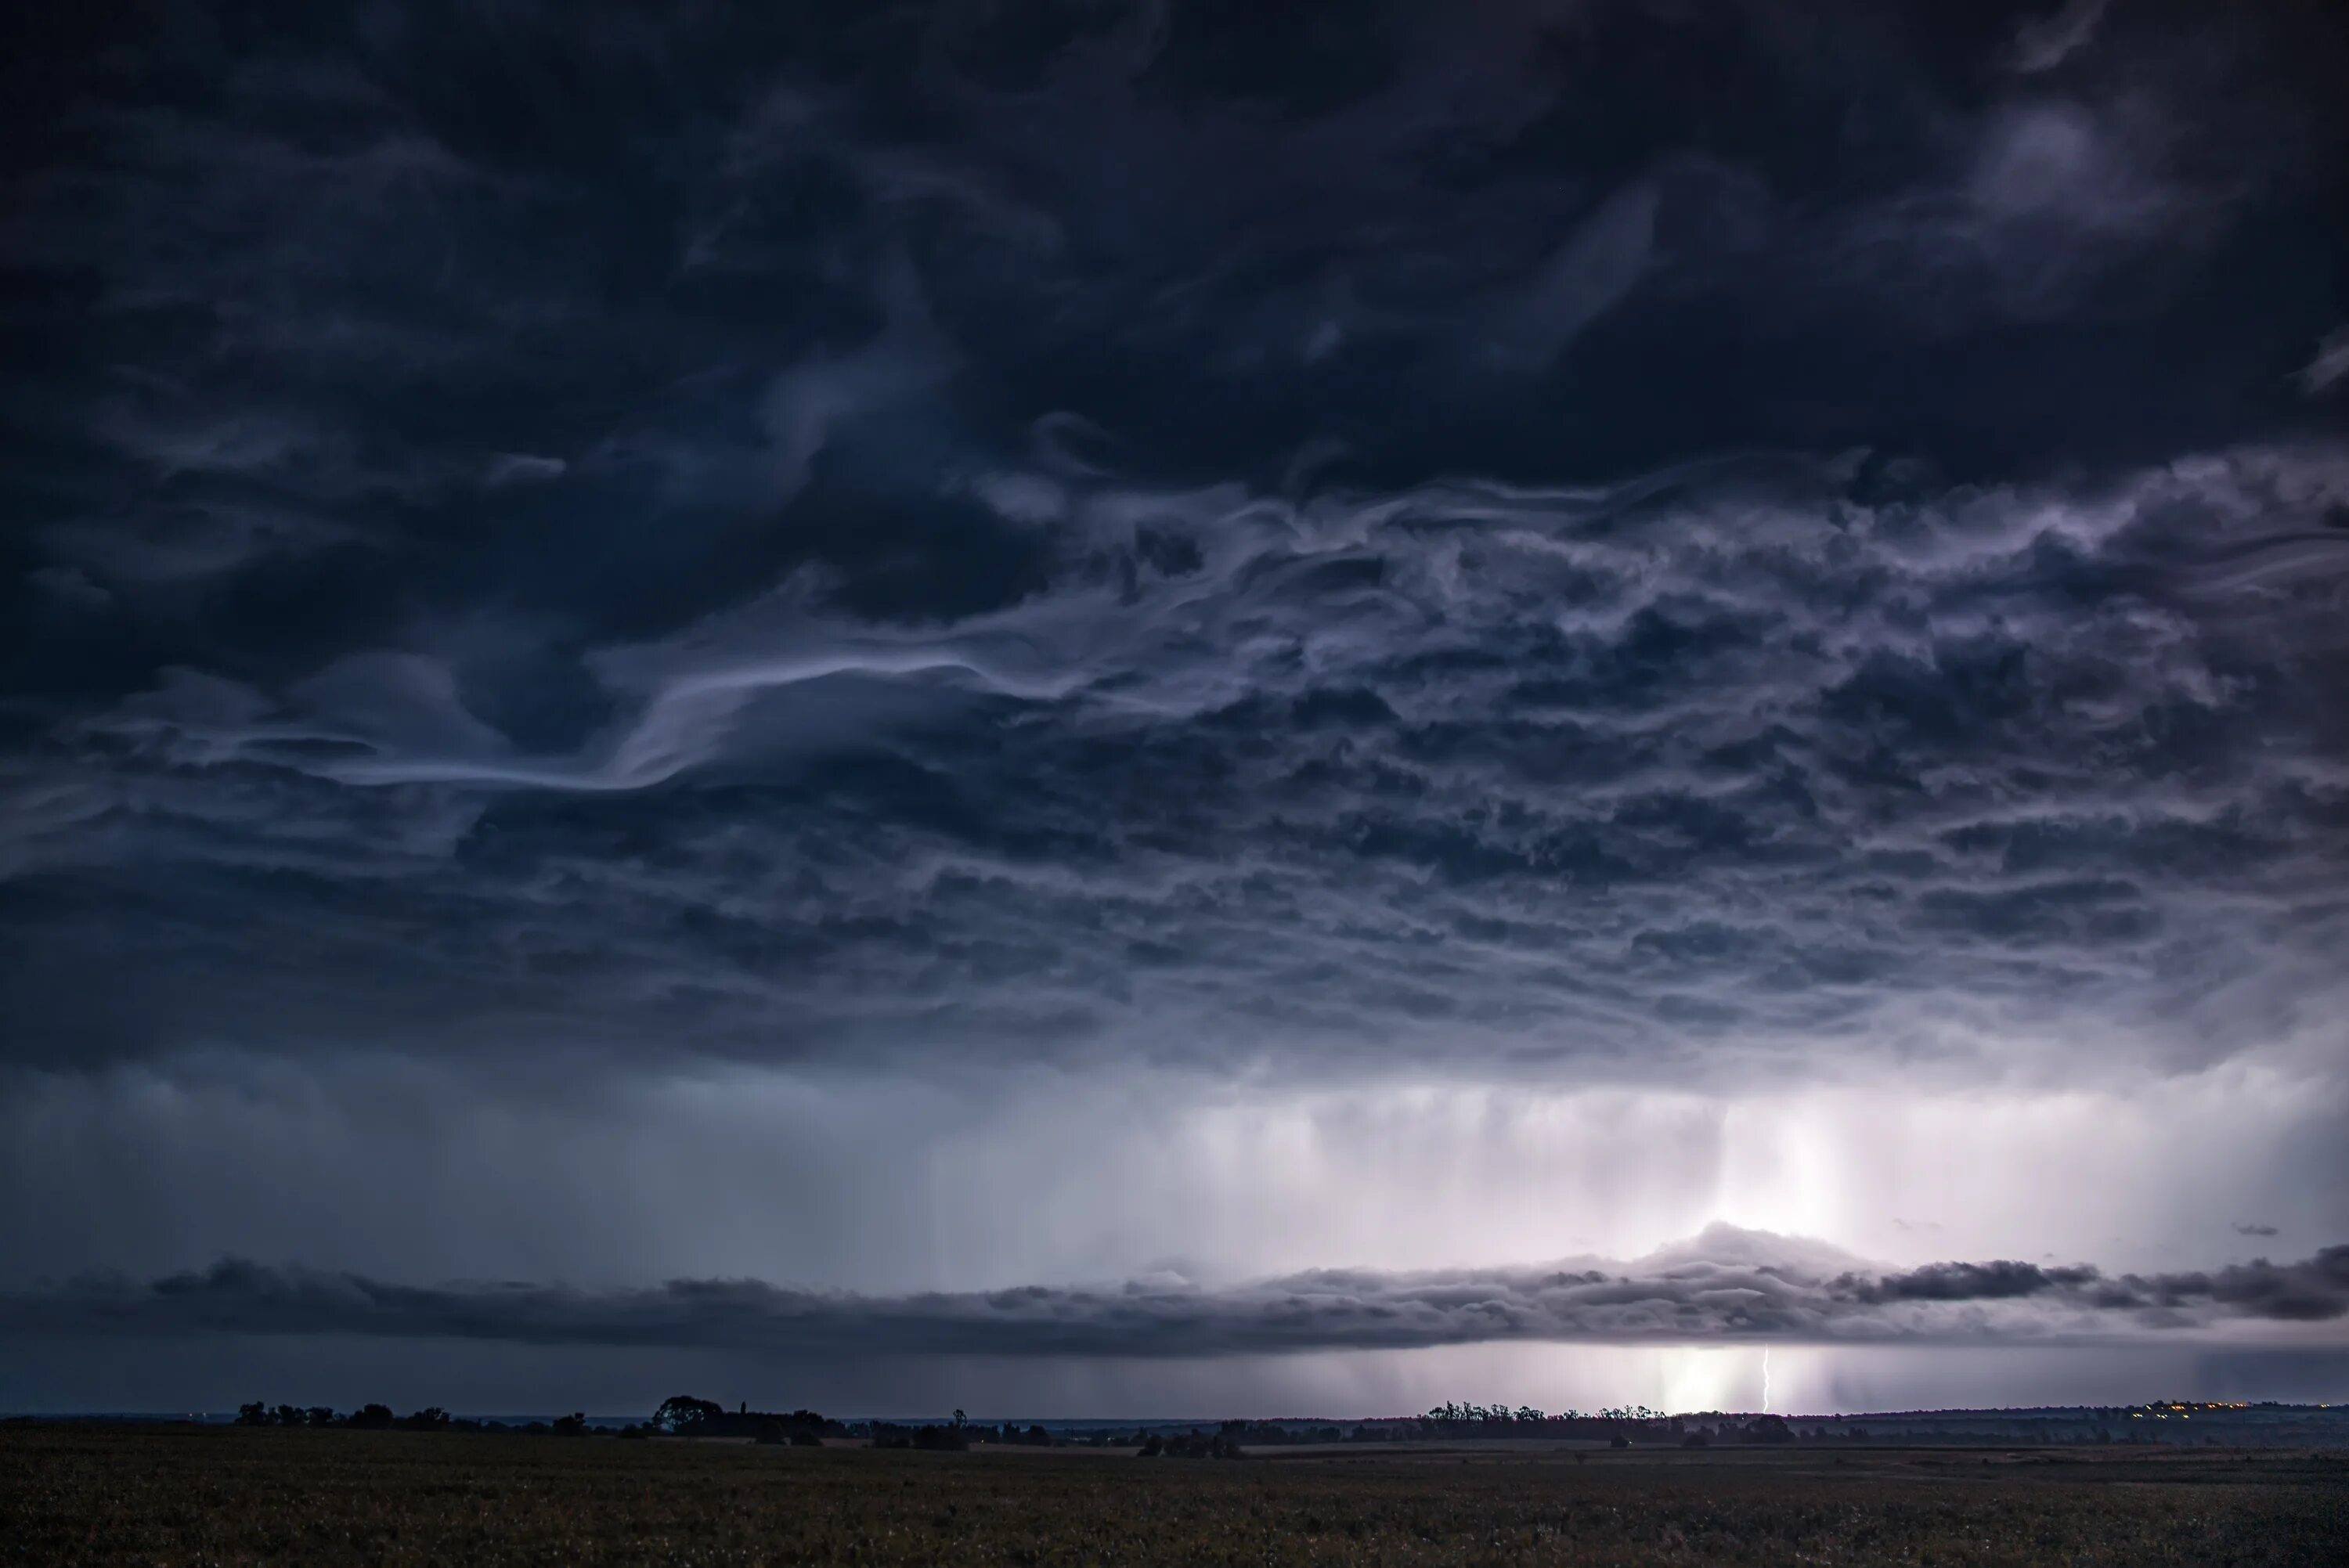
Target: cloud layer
(792, 581)
(1620, 775)
(1719, 1287)
(900, 553)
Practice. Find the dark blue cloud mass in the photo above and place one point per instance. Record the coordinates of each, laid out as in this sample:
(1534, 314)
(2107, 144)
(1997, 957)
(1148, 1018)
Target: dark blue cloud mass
(1561, 530)
(1151, 555)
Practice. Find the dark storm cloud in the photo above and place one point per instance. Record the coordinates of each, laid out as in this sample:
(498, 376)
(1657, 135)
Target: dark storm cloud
(547, 527)
(1688, 1296)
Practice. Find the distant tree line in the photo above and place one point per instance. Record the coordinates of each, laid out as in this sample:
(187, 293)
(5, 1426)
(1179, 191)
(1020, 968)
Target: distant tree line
(379, 1418)
(688, 1415)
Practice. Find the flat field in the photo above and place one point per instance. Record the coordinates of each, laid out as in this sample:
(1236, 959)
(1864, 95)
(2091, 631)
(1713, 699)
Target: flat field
(216, 1495)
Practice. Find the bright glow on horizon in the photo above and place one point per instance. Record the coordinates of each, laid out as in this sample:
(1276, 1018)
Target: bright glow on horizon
(1198, 1180)
(1705, 1378)
(1780, 1169)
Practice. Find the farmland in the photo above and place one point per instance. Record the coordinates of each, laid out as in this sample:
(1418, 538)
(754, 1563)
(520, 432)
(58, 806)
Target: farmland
(198, 1496)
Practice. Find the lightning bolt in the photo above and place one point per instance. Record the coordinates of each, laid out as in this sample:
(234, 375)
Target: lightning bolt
(1766, 1378)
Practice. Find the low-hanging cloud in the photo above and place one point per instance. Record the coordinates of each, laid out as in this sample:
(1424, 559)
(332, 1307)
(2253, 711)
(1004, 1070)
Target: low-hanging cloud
(1685, 1296)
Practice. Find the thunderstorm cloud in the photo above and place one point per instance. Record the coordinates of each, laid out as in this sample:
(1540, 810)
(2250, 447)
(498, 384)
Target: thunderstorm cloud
(913, 645)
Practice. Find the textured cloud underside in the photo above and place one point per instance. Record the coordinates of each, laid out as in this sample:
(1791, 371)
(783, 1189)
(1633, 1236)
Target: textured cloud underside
(1740, 756)
(893, 534)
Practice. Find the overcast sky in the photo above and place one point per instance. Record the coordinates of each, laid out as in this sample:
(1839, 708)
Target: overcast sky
(1110, 708)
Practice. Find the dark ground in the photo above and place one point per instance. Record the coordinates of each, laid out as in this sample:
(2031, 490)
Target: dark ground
(90, 1495)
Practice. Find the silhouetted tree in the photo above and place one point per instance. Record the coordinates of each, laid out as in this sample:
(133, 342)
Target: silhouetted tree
(292, 1415)
(684, 1415)
(573, 1425)
(373, 1417)
(320, 1415)
(254, 1415)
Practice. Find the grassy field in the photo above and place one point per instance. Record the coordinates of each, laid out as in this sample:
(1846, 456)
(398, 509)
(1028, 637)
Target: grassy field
(226, 1496)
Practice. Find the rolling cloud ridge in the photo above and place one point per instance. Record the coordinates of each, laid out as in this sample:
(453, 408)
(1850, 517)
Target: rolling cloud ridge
(1709, 1291)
